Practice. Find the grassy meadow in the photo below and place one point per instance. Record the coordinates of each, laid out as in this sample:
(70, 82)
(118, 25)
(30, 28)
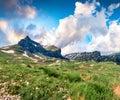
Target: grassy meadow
(22, 78)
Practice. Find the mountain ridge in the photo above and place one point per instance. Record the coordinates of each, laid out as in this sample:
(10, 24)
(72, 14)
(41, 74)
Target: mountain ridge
(30, 48)
(94, 56)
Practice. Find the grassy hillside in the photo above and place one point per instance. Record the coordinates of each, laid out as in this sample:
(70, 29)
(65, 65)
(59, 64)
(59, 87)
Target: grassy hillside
(24, 79)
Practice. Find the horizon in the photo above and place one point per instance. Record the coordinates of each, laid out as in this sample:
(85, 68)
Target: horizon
(101, 53)
(72, 28)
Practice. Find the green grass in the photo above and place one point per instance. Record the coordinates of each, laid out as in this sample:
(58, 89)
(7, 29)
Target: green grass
(69, 79)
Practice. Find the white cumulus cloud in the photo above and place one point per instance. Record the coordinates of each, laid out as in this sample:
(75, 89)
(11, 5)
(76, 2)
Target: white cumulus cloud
(72, 30)
(84, 9)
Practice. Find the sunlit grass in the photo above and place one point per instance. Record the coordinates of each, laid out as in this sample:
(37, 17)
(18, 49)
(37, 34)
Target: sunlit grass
(73, 80)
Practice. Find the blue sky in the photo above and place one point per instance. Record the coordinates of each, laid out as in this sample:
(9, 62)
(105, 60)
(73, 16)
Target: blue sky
(85, 25)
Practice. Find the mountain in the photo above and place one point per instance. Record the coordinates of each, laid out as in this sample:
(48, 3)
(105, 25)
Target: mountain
(95, 56)
(33, 47)
(24, 78)
(30, 48)
(29, 45)
(34, 50)
(30, 71)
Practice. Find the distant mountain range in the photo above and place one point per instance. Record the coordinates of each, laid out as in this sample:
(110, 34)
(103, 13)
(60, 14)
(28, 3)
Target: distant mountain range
(94, 56)
(30, 48)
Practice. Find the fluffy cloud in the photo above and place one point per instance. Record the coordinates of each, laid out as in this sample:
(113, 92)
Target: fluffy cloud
(13, 11)
(108, 43)
(12, 34)
(27, 12)
(14, 8)
(84, 9)
(114, 32)
(17, 32)
(8, 35)
(48, 38)
(77, 26)
(70, 30)
(73, 30)
(13, 37)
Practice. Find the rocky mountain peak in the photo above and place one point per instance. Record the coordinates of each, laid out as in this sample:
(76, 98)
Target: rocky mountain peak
(27, 38)
(33, 47)
(29, 45)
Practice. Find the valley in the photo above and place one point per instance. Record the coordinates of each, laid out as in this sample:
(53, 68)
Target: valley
(59, 50)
